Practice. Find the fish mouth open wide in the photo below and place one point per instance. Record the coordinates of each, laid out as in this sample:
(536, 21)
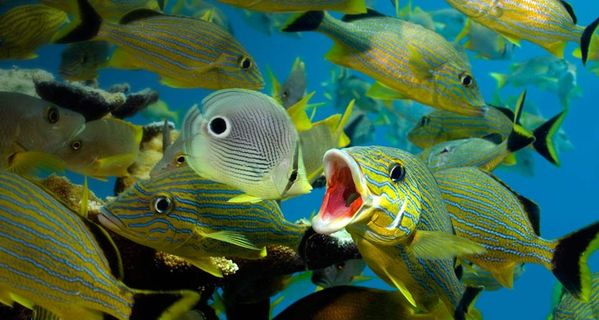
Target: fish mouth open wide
(345, 195)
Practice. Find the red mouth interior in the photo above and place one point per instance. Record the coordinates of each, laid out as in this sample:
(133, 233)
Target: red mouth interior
(341, 199)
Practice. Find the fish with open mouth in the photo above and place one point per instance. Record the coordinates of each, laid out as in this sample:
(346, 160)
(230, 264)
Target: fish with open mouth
(389, 202)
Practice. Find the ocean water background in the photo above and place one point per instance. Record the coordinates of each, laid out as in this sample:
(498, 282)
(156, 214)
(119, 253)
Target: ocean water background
(567, 195)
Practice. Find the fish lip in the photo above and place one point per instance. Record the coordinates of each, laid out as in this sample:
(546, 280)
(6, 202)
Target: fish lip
(110, 221)
(327, 222)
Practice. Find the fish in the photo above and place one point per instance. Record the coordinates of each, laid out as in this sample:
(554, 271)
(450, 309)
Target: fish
(159, 111)
(359, 129)
(109, 9)
(173, 157)
(449, 22)
(567, 307)
(390, 204)
(339, 274)
(550, 24)
(105, 148)
(204, 56)
(32, 129)
(486, 43)
(416, 15)
(81, 61)
(294, 88)
(475, 276)
(266, 23)
(344, 87)
(485, 210)
(213, 14)
(187, 215)
(23, 29)
(345, 6)
(245, 139)
(51, 260)
(499, 125)
(351, 303)
(407, 60)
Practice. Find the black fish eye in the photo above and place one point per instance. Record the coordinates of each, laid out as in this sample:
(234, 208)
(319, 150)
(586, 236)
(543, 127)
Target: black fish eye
(284, 94)
(397, 172)
(162, 204)
(244, 62)
(76, 145)
(424, 121)
(180, 160)
(466, 80)
(218, 126)
(53, 115)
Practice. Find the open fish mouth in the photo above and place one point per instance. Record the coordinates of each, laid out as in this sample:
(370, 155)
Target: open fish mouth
(346, 193)
(110, 221)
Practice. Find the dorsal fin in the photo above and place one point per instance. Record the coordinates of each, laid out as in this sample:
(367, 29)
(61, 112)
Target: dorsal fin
(519, 107)
(139, 15)
(506, 111)
(109, 248)
(370, 13)
(496, 138)
(568, 8)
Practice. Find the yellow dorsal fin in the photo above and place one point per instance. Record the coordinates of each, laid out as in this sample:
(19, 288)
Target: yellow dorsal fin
(275, 90)
(298, 114)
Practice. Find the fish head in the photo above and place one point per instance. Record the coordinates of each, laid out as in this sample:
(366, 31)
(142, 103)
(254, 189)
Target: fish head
(427, 132)
(160, 213)
(374, 192)
(80, 61)
(245, 139)
(173, 158)
(235, 70)
(456, 90)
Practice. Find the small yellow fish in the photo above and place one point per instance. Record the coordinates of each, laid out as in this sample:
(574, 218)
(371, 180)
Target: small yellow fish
(550, 24)
(105, 148)
(346, 6)
(408, 60)
(25, 28)
(185, 52)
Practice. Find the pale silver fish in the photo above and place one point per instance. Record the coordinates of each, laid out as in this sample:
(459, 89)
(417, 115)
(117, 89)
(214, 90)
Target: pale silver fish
(245, 139)
(294, 88)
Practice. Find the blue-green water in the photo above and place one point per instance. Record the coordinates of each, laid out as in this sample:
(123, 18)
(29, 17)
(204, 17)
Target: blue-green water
(567, 195)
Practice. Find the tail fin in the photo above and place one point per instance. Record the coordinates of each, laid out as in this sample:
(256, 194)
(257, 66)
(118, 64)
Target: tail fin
(519, 138)
(544, 137)
(570, 260)
(87, 25)
(585, 40)
(163, 305)
(501, 79)
(468, 298)
(308, 21)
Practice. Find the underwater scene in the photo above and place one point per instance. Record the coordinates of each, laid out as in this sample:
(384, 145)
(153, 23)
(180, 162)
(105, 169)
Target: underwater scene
(299, 159)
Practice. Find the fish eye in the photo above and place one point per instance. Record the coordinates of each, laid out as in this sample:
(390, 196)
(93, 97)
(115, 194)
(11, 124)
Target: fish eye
(244, 62)
(76, 145)
(340, 266)
(219, 127)
(180, 160)
(162, 204)
(53, 115)
(424, 121)
(466, 80)
(285, 94)
(397, 172)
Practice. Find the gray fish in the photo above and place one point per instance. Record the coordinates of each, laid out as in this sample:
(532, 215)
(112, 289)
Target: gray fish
(81, 61)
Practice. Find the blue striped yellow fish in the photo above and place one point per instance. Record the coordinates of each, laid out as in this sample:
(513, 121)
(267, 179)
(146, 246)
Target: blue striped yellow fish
(484, 209)
(550, 24)
(184, 52)
(346, 6)
(24, 29)
(50, 259)
(567, 307)
(181, 213)
(390, 204)
(408, 60)
(109, 9)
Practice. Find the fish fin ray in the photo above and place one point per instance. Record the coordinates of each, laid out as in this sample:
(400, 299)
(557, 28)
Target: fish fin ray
(442, 245)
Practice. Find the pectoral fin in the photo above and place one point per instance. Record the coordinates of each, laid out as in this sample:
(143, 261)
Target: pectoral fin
(442, 245)
(505, 274)
(382, 92)
(207, 265)
(245, 198)
(233, 238)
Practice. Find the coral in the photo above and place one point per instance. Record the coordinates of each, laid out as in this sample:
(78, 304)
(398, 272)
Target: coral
(22, 80)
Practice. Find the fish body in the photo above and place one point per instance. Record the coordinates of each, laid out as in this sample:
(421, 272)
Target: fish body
(109, 9)
(25, 28)
(470, 152)
(475, 276)
(346, 6)
(408, 60)
(294, 87)
(181, 213)
(245, 139)
(185, 52)
(567, 307)
(389, 202)
(106, 147)
(81, 61)
(548, 23)
(345, 87)
(485, 210)
(30, 124)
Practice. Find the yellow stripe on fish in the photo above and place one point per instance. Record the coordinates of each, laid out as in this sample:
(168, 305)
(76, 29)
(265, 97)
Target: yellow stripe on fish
(181, 213)
(407, 60)
(50, 259)
(185, 52)
(483, 209)
(25, 28)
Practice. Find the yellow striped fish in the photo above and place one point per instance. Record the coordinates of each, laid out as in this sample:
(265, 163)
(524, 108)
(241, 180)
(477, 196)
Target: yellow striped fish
(185, 52)
(181, 213)
(567, 307)
(346, 6)
(25, 28)
(50, 259)
(390, 204)
(408, 60)
(109, 9)
(550, 24)
(483, 209)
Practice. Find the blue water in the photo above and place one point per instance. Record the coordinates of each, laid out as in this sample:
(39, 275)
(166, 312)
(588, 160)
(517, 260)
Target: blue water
(566, 195)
